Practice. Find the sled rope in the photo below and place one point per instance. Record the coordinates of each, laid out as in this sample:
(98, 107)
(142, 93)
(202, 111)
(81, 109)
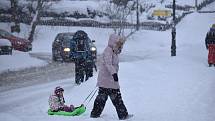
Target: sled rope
(90, 96)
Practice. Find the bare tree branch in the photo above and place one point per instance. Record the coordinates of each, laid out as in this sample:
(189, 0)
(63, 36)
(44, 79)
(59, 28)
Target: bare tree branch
(41, 6)
(35, 19)
(118, 13)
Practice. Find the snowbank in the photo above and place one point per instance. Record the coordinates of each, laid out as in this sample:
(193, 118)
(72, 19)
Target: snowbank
(18, 60)
(154, 85)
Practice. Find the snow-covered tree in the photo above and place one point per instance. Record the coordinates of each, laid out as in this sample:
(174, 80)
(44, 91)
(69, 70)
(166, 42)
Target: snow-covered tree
(41, 5)
(118, 11)
(15, 27)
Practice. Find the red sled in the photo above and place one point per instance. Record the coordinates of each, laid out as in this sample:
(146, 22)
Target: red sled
(211, 54)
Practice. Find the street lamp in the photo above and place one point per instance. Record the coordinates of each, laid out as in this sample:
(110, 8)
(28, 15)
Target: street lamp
(196, 5)
(137, 12)
(173, 46)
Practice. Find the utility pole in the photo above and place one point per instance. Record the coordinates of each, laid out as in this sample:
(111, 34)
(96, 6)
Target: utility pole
(138, 21)
(196, 4)
(173, 46)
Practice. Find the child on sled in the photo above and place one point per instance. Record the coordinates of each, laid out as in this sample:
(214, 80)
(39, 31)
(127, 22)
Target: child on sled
(57, 102)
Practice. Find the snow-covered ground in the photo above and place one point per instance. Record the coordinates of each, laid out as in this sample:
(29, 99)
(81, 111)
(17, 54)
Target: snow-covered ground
(154, 85)
(72, 6)
(45, 35)
(18, 60)
(210, 7)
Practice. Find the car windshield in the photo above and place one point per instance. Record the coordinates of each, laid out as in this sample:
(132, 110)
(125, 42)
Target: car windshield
(66, 42)
(67, 39)
(5, 33)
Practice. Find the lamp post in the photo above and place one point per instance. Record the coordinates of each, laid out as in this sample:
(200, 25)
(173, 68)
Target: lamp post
(196, 5)
(137, 12)
(173, 46)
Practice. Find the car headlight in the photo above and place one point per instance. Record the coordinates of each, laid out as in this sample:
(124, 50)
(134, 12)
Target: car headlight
(66, 49)
(93, 48)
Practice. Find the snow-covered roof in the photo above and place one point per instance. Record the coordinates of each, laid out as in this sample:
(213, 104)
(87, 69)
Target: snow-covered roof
(5, 42)
(72, 6)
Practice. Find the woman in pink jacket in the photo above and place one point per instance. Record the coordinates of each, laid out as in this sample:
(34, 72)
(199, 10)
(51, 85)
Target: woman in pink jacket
(108, 81)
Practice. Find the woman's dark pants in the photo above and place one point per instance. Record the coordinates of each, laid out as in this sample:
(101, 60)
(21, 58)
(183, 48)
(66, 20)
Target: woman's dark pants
(116, 99)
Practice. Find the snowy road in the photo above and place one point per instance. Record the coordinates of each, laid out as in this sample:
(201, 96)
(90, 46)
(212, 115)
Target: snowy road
(53, 71)
(154, 85)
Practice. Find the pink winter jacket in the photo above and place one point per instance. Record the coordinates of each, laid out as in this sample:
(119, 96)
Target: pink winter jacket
(109, 65)
(56, 103)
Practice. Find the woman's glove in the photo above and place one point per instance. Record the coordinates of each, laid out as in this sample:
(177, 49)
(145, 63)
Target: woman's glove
(115, 77)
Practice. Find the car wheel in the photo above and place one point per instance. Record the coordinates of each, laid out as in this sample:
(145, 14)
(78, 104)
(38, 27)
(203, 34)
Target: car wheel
(54, 58)
(66, 59)
(63, 59)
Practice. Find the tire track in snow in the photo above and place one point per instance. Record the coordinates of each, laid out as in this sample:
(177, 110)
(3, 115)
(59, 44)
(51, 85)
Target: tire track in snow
(36, 75)
(23, 96)
(53, 71)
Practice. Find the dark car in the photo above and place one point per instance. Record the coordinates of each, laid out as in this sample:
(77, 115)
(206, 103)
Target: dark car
(66, 48)
(18, 43)
(61, 46)
(5, 47)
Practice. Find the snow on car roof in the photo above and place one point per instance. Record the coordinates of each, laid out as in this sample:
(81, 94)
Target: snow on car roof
(5, 42)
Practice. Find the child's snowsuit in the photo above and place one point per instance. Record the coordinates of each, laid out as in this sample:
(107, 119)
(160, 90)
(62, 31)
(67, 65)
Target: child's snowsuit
(56, 103)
